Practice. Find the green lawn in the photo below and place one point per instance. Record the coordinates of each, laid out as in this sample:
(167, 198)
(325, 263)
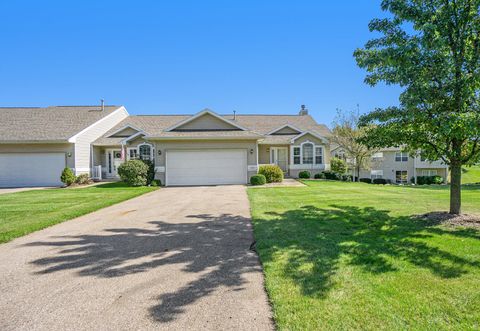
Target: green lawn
(24, 212)
(343, 256)
(471, 175)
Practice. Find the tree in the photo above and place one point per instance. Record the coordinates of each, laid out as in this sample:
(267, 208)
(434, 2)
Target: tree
(338, 165)
(431, 49)
(347, 134)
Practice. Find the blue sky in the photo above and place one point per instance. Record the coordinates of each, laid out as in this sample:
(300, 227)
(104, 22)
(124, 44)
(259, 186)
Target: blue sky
(178, 57)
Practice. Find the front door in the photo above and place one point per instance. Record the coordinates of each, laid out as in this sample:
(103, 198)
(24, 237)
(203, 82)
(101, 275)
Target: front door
(114, 159)
(279, 156)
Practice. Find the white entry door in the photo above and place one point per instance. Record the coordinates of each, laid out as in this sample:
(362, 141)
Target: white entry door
(31, 169)
(206, 167)
(114, 159)
(279, 156)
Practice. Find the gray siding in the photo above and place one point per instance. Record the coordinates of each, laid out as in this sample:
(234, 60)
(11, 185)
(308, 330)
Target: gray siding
(42, 148)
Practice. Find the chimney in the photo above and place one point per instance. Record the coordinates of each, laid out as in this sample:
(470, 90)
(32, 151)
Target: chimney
(103, 104)
(303, 111)
(234, 115)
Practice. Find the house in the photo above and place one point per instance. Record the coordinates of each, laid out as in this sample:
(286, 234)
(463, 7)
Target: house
(36, 144)
(211, 149)
(397, 166)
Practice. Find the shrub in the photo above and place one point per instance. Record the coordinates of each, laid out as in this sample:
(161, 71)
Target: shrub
(347, 178)
(134, 172)
(272, 173)
(83, 179)
(366, 180)
(304, 174)
(67, 177)
(437, 179)
(331, 175)
(156, 182)
(381, 181)
(319, 176)
(258, 180)
(338, 166)
(150, 172)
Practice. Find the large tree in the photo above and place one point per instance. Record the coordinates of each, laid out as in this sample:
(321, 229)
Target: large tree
(346, 134)
(431, 48)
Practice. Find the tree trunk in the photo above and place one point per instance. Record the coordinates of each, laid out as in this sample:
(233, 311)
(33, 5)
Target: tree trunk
(455, 187)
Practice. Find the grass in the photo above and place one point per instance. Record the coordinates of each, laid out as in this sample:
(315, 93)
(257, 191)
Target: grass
(340, 256)
(25, 212)
(471, 175)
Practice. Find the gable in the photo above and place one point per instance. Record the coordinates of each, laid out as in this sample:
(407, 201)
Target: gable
(286, 130)
(206, 122)
(308, 137)
(126, 132)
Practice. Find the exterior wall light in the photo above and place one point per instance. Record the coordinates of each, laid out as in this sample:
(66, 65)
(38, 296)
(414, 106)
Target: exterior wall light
(159, 152)
(251, 150)
(69, 154)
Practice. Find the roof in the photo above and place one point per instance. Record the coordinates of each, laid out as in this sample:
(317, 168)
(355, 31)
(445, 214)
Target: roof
(54, 123)
(256, 126)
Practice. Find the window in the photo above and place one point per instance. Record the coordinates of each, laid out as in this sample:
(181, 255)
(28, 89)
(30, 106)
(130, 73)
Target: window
(133, 153)
(401, 157)
(376, 174)
(296, 155)
(145, 152)
(307, 153)
(318, 155)
(401, 177)
(377, 156)
(429, 172)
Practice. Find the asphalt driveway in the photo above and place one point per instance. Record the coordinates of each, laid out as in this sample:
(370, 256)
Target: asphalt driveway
(176, 258)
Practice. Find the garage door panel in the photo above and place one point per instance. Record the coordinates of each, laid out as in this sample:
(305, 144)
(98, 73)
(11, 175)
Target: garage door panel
(206, 167)
(31, 169)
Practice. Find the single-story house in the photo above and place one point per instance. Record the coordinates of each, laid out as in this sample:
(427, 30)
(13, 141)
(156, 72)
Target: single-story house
(36, 144)
(211, 149)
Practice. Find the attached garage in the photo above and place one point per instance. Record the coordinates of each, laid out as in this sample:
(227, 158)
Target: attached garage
(31, 169)
(206, 167)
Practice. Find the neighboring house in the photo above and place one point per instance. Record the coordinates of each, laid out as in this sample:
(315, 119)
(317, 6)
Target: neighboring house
(398, 166)
(36, 144)
(211, 149)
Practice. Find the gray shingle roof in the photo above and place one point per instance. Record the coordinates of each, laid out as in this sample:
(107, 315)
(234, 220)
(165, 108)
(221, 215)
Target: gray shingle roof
(56, 123)
(155, 125)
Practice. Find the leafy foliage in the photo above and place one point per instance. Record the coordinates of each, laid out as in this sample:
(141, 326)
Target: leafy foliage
(272, 173)
(338, 165)
(134, 172)
(151, 171)
(432, 50)
(83, 179)
(304, 174)
(319, 176)
(258, 180)
(67, 177)
(428, 180)
(366, 180)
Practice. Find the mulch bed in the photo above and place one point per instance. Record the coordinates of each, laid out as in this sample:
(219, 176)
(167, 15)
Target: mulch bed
(444, 218)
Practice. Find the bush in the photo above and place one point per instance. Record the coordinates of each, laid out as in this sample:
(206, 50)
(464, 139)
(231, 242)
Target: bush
(304, 174)
(67, 177)
(366, 180)
(347, 178)
(150, 172)
(319, 176)
(258, 180)
(331, 175)
(272, 173)
(134, 172)
(156, 182)
(338, 166)
(381, 181)
(83, 179)
(437, 179)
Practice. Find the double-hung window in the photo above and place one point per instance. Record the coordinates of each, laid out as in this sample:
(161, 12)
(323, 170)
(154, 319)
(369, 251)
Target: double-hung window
(132, 153)
(145, 152)
(296, 155)
(401, 157)
(318, 155)
(307, 153)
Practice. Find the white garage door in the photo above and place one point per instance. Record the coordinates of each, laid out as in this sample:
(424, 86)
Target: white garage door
(31, 169)
(206, 167)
